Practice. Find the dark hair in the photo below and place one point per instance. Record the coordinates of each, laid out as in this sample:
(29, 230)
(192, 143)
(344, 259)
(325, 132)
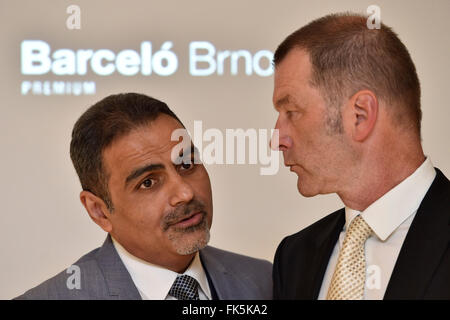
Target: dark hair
(346, 56)
(105, 121)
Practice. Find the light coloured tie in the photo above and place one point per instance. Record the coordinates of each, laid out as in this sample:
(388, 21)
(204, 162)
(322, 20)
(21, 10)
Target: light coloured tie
(350, 272)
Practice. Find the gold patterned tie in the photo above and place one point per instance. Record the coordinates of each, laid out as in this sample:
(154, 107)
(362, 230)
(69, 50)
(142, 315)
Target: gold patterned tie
(350, 272)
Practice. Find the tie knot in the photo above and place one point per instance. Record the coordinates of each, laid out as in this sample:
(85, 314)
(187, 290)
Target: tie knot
(359, 230)
(185, 288)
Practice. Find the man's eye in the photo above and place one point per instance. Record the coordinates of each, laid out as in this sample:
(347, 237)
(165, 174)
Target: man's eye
(146, 184)
(290, 114)
(186, 166)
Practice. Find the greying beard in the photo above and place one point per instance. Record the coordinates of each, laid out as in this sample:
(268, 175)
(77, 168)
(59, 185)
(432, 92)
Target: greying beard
(187, 246)
(191, 239)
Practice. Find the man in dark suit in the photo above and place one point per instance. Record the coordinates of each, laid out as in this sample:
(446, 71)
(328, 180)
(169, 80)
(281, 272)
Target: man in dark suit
(348, 99)
(152, 195)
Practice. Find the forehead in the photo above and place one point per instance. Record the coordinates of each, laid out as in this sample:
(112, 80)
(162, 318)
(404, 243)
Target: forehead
(291, 74)
(148, 143)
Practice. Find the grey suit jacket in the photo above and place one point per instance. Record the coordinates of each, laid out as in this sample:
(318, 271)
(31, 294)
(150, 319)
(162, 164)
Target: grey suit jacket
(104, 276)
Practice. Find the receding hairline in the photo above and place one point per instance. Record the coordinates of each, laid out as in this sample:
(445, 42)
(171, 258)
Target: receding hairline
(331, 22)
(347, 56)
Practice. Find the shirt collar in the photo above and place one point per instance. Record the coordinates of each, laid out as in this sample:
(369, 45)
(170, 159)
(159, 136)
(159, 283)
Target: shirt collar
(155, 281)
(196, 271)
(387, 213)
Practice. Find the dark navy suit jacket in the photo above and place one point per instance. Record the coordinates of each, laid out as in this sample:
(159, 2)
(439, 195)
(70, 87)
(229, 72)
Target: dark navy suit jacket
(422, 270)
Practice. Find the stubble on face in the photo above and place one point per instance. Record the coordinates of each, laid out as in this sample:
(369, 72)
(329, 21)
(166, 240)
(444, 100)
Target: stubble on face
(319, 153)
(187, 240)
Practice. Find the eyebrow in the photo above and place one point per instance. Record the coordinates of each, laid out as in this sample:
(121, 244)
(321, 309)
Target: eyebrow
(152, 167)
(140, 171)
(284, 101)
(193, 151)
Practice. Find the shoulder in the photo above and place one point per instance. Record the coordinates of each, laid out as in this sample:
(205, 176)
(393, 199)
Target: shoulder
(81, 280)
(236, 276)
(294, 258)
(234, 260)
(307, 238)
(440, 188)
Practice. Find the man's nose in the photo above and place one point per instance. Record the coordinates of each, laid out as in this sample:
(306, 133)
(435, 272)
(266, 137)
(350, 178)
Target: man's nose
(181, 191)
(280, 140)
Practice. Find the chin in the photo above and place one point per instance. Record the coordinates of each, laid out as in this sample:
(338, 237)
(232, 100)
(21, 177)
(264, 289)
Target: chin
(190, 247)
(191, 242)
(305, 190)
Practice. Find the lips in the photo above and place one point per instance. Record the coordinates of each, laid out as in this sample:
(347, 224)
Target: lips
(189, 221)
(287, 164)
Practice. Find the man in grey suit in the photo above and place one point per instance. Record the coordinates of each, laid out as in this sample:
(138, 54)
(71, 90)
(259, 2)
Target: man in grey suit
(156, 206)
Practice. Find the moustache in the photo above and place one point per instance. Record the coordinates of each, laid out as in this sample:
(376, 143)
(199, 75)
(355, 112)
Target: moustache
(182, 212)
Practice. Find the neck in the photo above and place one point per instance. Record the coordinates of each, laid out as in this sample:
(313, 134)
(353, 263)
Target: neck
(376, 175)
(168, 260)
(176, 263)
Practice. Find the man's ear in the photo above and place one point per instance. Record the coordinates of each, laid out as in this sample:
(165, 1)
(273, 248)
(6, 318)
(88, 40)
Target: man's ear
(97, 210)
(362, 114)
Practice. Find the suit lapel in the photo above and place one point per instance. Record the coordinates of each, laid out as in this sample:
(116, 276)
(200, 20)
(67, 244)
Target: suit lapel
(212, 287)
(424, 245)
(326, 240)
(227, 285)
(117, 277)
(220, 279)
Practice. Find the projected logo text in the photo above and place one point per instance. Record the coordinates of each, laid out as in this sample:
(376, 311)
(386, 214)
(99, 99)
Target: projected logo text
(37, 58)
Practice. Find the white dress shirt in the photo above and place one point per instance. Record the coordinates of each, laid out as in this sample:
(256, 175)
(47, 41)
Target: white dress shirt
(390, 218)
(154, 282)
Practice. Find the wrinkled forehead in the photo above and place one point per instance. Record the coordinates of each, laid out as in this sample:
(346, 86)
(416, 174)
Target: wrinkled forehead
(152, 142)
(295, 66)
(292, 74)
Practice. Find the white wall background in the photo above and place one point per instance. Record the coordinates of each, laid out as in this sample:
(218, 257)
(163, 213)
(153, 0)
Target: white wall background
(43, 226)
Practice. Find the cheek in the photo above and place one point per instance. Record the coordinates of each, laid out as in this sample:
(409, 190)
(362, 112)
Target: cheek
(310, 131)
(202, 187)
(142, 212)
(310, 144)
(201, 179)
(302, 137)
